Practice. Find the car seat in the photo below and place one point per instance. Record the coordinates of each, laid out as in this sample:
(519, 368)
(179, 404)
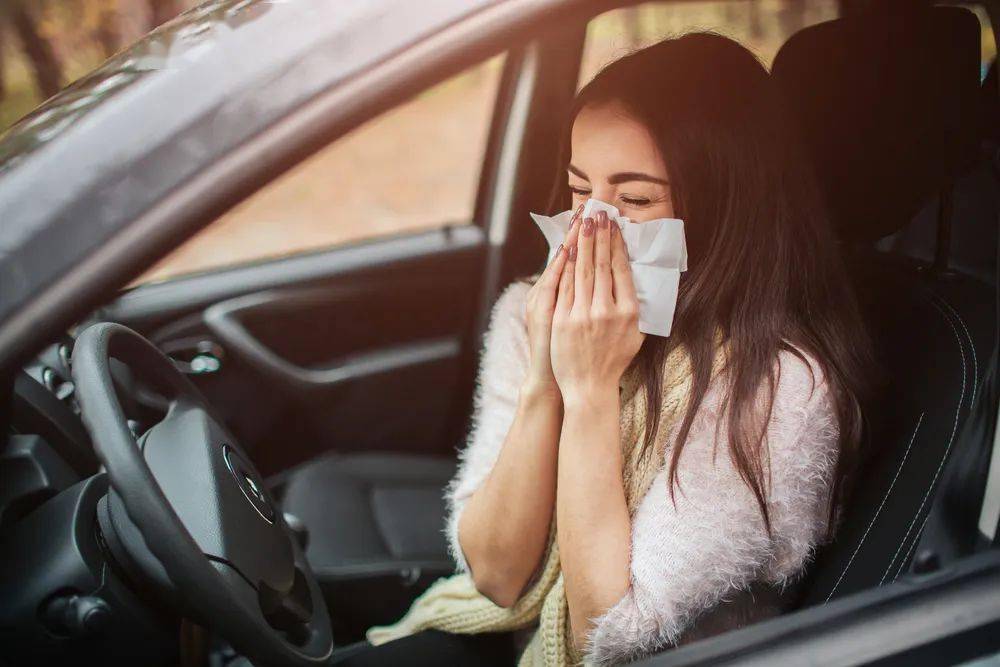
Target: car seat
(375, 531)
(973, 201)
(887, 103)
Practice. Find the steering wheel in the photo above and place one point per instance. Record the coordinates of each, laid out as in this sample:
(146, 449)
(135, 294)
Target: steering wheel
(200, 507)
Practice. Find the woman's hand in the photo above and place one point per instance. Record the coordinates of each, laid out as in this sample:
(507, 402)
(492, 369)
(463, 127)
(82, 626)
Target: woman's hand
(595, 331)
(540, 305)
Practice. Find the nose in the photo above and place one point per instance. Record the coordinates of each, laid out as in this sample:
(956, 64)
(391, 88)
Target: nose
(604, 193)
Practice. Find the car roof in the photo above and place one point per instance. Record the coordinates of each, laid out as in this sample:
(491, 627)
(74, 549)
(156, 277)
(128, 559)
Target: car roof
(91, 159)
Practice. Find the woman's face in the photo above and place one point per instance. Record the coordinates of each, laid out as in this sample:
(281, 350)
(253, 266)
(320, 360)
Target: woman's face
(614, 159)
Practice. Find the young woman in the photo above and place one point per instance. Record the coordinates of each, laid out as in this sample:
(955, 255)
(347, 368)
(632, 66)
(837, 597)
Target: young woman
(620, 492)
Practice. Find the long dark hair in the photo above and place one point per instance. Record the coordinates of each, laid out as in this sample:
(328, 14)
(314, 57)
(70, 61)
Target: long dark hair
(764, 261)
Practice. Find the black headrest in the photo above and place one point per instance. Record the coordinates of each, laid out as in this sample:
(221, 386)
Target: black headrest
(887, 103)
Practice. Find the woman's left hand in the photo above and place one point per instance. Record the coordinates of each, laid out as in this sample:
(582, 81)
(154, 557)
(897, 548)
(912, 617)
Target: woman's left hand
(595, 326)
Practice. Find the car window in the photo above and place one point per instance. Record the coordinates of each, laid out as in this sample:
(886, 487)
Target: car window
(759, 27)
(413, 168)
(987, 43)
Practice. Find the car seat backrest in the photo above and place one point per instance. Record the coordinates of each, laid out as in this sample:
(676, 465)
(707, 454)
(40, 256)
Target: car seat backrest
(973, 209)
(883, 102)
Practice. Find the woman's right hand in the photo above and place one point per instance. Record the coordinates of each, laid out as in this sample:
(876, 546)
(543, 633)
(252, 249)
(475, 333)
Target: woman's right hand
(540, 304)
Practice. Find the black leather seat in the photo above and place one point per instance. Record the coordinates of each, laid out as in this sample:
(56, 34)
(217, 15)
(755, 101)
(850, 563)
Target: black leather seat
(974, 204)
(887, 107)
(371, 514)
(375, 524)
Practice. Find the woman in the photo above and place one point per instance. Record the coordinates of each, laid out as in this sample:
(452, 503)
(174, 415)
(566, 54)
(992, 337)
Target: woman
(691, 477)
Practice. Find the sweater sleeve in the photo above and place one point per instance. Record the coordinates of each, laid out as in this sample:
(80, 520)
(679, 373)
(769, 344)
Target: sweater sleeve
(503, 365)
(685, 559)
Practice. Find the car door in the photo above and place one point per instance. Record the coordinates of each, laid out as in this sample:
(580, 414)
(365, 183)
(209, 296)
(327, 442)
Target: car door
(338, 306)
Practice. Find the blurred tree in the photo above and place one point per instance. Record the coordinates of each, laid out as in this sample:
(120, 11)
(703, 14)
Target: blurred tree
(633, 26)
(162, 11)
(3, 81)
(106, 30)
(792, 16)
(18, 14)
(756, 25)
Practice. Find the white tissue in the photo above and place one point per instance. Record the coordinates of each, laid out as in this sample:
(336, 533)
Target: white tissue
(657, 254)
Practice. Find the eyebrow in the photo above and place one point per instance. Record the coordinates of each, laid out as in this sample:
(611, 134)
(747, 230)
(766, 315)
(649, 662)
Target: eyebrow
(623, 177)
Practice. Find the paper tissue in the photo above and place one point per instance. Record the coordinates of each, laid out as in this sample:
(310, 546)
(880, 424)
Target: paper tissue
(657, 254)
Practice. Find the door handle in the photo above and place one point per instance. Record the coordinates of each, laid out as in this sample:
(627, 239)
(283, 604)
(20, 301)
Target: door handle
(222, 320)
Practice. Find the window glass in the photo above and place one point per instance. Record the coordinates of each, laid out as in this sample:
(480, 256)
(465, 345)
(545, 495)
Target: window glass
(413, 168)
(987, 42)
(762, 26)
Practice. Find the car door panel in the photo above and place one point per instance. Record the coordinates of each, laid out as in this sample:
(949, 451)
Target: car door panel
(371, 345)
(323, 351)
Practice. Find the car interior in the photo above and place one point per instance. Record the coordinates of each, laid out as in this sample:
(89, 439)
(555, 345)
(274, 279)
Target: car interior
(347, 371)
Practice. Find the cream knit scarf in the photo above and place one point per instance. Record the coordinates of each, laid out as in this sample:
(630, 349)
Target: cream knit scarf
(453, 604)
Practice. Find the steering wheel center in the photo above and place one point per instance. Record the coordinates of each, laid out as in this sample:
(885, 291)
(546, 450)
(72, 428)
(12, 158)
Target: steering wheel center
(252, 489)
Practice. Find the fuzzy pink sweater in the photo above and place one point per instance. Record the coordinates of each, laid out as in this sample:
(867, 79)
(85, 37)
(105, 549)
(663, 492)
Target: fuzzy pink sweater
(706, 564)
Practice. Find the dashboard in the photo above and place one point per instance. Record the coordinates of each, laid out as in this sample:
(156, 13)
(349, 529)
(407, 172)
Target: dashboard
(63, 596)
(48, 449)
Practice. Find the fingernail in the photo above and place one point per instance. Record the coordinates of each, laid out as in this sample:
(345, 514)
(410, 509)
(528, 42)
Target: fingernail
(558, 250)
(588, 226)
(602, 219)
(572, 252)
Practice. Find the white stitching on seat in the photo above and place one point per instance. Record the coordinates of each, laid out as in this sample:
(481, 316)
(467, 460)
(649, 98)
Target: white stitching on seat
(972, 347)
(972, 401)
(944, 457)
(879, 510)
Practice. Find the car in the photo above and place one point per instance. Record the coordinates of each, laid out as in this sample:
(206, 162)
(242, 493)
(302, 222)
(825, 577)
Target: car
(243, 458)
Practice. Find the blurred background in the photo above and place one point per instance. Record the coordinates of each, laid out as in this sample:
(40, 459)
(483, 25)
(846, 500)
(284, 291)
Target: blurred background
(358, 188)
(46, 44)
